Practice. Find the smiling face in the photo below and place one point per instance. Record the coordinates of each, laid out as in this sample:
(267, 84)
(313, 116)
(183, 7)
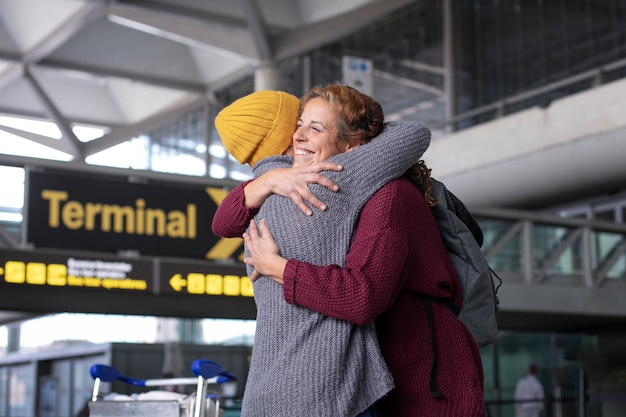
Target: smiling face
(316, 137)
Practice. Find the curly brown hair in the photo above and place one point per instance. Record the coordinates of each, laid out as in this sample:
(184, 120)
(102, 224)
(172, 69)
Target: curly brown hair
(360, 118)
(419, 174)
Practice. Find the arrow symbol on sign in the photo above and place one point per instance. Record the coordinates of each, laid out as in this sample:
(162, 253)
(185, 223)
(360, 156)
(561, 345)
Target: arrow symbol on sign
(225, 247)
(177, 282)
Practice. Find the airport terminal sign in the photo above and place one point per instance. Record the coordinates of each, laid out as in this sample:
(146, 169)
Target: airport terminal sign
(108, 214)
(46, 269)
(62, 281)
(189, 278)
(24, 268)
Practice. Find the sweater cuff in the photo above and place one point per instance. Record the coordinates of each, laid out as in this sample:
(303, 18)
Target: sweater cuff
(289, 281)
(240, 197)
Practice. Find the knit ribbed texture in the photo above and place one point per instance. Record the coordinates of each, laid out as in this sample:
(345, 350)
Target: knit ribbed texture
(396, 229)
(258, 125)
(397, 244)
(304, 363)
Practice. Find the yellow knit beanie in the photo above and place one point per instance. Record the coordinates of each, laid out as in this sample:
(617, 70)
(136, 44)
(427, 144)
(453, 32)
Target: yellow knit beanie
(258, 125)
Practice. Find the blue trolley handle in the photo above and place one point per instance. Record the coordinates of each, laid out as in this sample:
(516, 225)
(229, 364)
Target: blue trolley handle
(208, 369)
(206, 372)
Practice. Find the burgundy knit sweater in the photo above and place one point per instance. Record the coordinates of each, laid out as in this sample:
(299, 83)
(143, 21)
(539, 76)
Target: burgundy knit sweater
(397, 252)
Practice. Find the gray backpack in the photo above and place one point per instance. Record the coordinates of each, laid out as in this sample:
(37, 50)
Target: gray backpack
(463, 238)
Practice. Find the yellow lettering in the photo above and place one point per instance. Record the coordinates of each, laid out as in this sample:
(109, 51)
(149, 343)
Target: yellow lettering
(55, 197)
(73, 215)
(195, 283)
(152, 216)
(176, 226)
(114, 218)
(231, 285)
(15, 272)
(140, 284)
(57, 274)
(119, 214)
(91, 212)
(191, 221)
(124, 284)
(141, 205)
(35, 273)
(246, 287)
(75, 281)
(92, 282)
(214, 284)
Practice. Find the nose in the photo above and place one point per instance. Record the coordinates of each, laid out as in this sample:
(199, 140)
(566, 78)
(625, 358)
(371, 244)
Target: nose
(298, 135)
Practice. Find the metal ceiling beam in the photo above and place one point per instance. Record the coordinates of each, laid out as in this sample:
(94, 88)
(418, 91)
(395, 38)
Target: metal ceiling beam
(308, 38)
(114, 73)
(59, 145)
(51, 42)
(178, 10)
(199, 30)
(63, 32)
(13, 73)
(34, 114)
(258, 28)
(62, 123)
(124, 133)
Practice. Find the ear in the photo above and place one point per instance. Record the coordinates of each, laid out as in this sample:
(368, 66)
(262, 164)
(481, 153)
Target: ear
(352, 146)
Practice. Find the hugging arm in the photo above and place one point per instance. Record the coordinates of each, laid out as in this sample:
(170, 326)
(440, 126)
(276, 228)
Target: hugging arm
(291, 183)
(232, 217)
(387, 156)
(242, 203)
(372, 276)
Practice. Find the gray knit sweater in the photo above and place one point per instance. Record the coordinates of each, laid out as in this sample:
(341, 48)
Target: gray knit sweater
(304, 363)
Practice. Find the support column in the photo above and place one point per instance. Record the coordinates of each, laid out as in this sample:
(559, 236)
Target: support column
(449, 84)
(13, 337)
(266, 77)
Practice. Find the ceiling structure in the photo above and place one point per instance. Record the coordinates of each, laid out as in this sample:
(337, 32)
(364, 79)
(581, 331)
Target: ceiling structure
(127, 66)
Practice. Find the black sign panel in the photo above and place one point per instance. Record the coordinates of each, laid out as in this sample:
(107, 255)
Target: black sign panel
(55, 281)
(108, 214)
(36, 269)
(205, 279)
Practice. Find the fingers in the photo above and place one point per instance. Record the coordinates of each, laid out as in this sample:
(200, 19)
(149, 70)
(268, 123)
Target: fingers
(247, 239)
(327, 166)
(325, 182)
(253, 231)
(294, 183)
(320, 178)
(301, 195)
(265, 231)
(298, 199)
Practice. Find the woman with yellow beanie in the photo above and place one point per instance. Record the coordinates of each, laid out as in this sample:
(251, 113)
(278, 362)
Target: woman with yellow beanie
(316, 349)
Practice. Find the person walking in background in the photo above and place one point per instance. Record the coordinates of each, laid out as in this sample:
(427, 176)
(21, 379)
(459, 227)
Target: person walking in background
(529, 394)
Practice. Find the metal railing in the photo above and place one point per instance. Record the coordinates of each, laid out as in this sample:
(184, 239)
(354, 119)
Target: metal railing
(534, 247)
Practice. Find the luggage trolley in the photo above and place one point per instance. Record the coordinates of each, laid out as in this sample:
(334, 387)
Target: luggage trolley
(206, 372)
